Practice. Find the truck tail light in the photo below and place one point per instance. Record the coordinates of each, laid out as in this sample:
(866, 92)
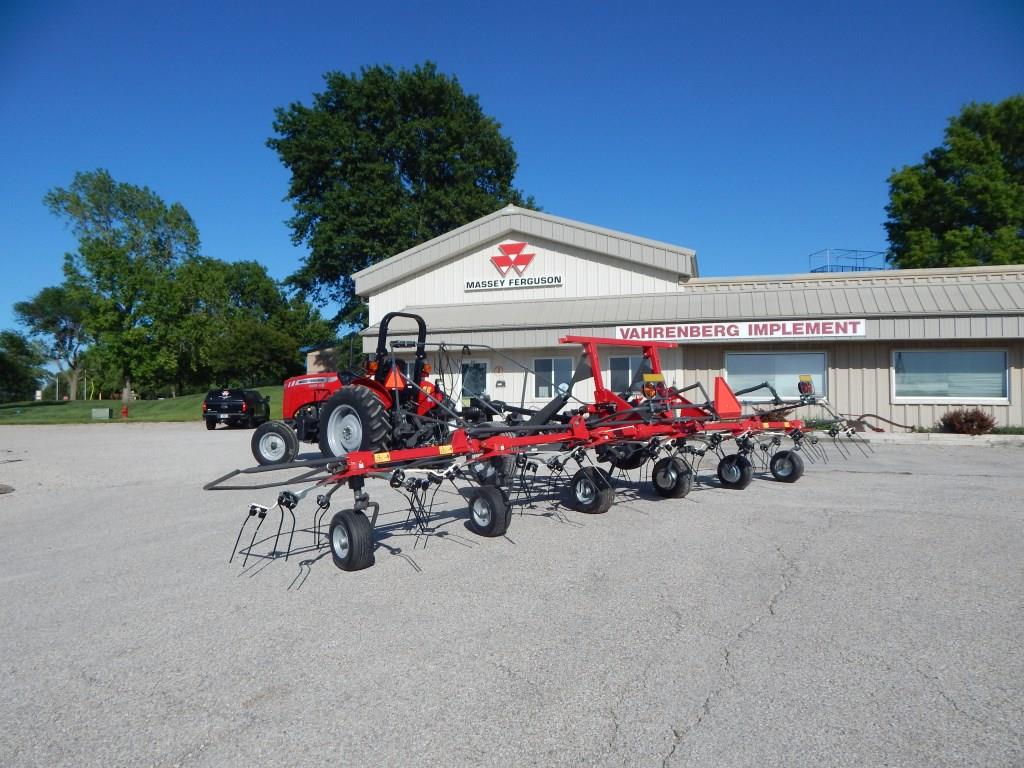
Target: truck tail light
(204, 406)
(245, 406)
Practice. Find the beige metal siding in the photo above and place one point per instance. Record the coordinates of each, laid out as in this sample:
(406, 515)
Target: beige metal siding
(511, 223)
(860, 378)
(585, 275)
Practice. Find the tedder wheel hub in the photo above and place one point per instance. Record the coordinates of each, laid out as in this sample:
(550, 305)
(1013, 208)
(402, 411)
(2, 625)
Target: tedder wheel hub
(735, 471)
(786, 466)
(672, 478)
(489, 512)
(592, 491)
(351, 540)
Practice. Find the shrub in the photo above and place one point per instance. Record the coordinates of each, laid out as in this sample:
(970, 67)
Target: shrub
(964, 421)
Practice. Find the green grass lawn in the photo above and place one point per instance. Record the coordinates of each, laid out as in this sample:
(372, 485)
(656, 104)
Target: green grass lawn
(186, 408)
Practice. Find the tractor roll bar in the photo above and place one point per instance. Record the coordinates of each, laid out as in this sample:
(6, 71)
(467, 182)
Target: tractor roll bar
(421, 341)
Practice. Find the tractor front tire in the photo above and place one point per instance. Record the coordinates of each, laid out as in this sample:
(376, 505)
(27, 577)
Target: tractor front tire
(351, 538)
(735, 471)
(274, 442)
(352, 419)
(672, 478)
(489, 512)
(591, 491)
(786, 466)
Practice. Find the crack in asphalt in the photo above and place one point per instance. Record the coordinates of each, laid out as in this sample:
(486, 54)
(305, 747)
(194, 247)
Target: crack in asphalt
(787, 576)
(937, 686)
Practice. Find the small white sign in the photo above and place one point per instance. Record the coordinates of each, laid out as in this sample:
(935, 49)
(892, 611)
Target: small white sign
(751, 330)
(506, 283)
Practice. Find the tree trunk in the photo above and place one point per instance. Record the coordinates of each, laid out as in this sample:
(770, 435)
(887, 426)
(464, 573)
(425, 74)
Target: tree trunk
(73, 374)
(126, 393)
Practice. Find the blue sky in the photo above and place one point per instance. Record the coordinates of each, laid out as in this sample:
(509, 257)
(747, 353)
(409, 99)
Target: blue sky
(755, 133)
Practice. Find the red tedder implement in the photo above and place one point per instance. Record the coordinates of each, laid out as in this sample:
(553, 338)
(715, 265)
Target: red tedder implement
(422, 441)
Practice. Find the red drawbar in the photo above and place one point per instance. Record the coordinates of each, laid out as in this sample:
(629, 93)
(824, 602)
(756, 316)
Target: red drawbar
(726, 404)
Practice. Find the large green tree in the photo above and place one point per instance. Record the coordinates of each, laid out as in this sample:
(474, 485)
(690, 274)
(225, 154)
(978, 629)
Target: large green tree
(20, 367)
(384, 160)
(57, 315)
(129, 243)
(963, 205)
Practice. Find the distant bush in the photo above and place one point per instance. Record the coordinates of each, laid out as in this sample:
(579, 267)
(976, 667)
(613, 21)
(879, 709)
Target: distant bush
(967, 421)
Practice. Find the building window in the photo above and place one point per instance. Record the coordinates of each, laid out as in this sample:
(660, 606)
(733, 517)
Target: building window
(549, 374)
(780, 369)
(951, 375)
(623, 372)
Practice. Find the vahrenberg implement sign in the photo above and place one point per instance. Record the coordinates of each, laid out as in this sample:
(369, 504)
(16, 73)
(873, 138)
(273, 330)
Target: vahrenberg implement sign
(746, 329)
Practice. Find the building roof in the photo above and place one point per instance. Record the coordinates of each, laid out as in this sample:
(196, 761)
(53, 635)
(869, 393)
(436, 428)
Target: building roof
(535, 225)
(992, 296)
(978, 290)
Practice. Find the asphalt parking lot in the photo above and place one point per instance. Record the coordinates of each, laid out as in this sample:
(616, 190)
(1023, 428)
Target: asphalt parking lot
(870, 614)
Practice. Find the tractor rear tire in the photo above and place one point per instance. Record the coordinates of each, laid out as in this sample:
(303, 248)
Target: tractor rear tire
(274, 442)
(672, 478)
(735, 471)
(351, 538)
(786, 466)
(591, 491)
(489, 512)
(352, 419)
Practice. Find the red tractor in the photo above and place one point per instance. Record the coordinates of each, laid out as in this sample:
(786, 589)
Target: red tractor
(386, 408)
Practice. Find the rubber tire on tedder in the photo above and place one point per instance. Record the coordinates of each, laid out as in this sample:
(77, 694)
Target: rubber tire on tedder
(274, 443)
(786, 466)
(351, 539)
(624, 456)
(672, 478)
(489, 512)
(352, 419)
(735, 471)
(591, 491)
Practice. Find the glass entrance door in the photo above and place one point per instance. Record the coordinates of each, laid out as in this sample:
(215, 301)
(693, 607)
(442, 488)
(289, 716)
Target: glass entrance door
(474, 379)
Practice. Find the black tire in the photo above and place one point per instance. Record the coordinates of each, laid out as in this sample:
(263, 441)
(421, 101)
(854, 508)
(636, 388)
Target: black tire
(351, 540)
(786, 466)
(672, 478)
(211, 423)
(489, 513)
(735, 471)
(591, 491)
(623, 456)
(352, 419)
(274, 443)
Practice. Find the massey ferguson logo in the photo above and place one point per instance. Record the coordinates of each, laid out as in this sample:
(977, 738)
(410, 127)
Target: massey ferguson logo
(512, 257)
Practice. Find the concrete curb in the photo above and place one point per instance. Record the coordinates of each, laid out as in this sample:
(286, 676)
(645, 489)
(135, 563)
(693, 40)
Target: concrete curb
(941, 438)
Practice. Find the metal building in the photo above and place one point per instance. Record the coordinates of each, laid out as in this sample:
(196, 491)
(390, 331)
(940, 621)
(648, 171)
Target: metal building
(906, 345)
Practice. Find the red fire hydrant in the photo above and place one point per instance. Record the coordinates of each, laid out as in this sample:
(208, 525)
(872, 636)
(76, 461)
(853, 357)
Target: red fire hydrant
(124, 411)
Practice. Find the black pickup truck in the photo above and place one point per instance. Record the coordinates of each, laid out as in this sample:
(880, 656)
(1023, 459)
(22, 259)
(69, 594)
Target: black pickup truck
(235, 407)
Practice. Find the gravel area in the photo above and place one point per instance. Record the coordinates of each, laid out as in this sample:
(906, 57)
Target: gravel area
(870, 614)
